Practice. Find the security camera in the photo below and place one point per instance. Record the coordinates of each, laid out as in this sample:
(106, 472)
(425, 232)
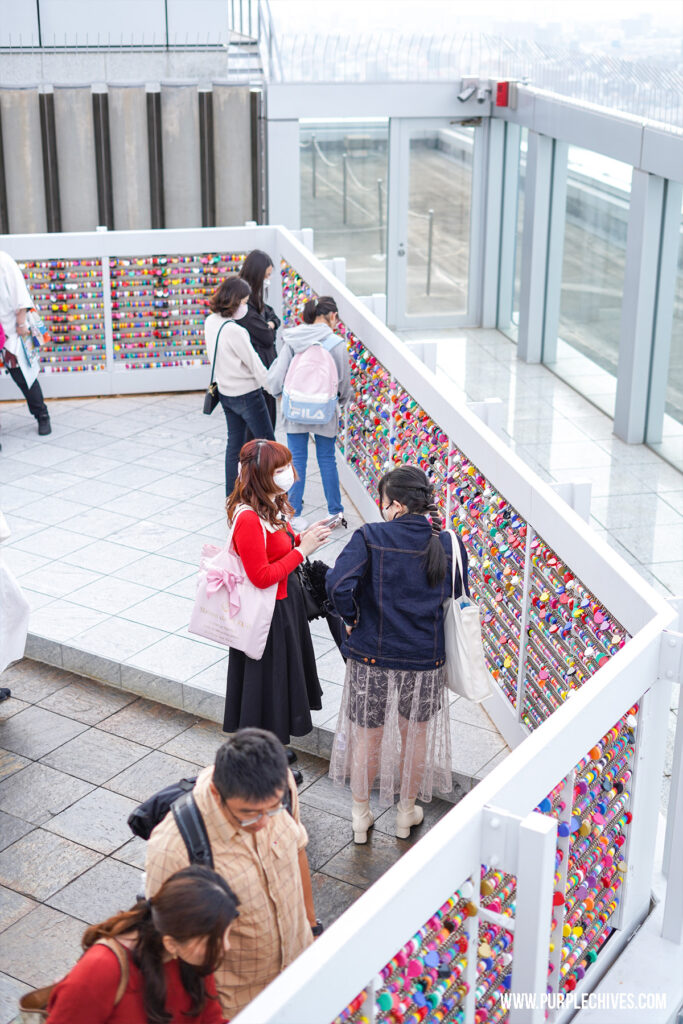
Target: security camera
(467, 93)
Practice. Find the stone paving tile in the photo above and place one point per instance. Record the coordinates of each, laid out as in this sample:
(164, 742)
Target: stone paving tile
(332, 896)
(12, 828)
(41, 947)
(13, 906)
(37, 792)
(35, 731)
(41, 863)
(133, 852)
(30, 681)
(11, 707)
(97, 822)
(146, 722)
(363, 865)
(153, 772)
(198, 744)
(312, 768)
(95, 756)
(86, 701)
(99, 893)
(327, 835)
(11, 763)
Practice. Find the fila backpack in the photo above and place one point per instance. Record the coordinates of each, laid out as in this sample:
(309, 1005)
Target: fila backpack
(309, 393)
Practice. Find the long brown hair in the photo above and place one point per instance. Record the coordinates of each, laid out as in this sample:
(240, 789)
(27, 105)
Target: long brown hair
(254, 485)
(192, 903)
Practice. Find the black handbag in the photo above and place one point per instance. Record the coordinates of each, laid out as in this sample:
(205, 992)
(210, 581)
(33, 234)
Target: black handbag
(312, 578)
(211, 397)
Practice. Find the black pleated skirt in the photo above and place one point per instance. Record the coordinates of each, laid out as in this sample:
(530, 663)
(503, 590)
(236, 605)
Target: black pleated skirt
(279, 691)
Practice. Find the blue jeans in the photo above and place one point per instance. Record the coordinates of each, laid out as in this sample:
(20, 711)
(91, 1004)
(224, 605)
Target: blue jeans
(324, 450)
(243, 412)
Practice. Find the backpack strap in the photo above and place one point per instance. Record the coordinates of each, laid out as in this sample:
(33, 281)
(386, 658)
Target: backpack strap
(192, 829)
(331, 341)
(122, 957)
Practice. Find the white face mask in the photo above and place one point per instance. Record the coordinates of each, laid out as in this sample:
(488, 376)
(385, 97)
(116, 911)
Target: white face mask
(283, 478)
(240, 312)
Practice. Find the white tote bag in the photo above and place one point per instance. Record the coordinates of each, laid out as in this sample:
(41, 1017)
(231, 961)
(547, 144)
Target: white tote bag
(228, 608)
(466, 668)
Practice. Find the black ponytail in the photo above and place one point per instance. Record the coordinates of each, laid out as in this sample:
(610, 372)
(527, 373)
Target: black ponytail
(409, 486)
(319, 307)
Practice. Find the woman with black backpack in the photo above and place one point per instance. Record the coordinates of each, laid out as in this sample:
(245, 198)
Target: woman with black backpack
(319, 353)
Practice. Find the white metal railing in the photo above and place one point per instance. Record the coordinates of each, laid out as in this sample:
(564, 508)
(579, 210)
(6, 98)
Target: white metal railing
(574, 742)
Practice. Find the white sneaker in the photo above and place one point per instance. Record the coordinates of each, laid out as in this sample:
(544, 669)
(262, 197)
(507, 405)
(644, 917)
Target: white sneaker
(299, 523)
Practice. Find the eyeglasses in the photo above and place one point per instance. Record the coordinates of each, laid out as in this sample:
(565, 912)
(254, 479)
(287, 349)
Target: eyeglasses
(245, 822)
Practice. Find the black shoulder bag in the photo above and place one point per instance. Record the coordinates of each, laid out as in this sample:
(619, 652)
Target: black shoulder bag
(211, 396)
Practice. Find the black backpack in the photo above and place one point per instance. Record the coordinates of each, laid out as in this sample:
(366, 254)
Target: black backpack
(179, 799)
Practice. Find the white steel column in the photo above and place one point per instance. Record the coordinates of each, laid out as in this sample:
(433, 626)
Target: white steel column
(666, 287)
(284, 184)
(535, 246)
(535, 874)
(639, 304)
(557, 216)
(493, 191)
(508, 225)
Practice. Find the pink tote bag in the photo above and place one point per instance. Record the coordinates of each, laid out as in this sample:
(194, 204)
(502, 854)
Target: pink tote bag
(228, 608)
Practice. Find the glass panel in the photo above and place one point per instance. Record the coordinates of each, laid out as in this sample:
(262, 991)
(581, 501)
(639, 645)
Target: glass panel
(344, 174)
(438, 243)
(598, 199)
(671, 446)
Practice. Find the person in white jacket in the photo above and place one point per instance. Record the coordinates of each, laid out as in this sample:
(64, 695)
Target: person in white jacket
(240, 374)
(20, 361)
(320, 319)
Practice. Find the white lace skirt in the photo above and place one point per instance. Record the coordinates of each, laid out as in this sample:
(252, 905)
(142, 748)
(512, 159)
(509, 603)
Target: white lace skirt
(393, 733)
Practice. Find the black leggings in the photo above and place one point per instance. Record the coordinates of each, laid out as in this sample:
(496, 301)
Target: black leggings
(33, 395)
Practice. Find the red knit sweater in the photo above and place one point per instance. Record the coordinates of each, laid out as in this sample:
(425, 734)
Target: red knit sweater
(87, 994)
(266, 561)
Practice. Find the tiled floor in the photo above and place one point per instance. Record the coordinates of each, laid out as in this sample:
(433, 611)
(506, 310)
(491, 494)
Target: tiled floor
(108, 517)
(70, 774)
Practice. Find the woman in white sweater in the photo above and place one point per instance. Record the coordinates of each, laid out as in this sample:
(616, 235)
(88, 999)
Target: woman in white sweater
(239, 372)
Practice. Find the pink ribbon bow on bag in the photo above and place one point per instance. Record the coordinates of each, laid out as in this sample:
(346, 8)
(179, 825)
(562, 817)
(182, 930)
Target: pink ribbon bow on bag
(217, 578)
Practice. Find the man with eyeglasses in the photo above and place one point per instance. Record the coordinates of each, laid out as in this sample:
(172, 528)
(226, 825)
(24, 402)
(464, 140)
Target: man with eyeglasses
(258, 846)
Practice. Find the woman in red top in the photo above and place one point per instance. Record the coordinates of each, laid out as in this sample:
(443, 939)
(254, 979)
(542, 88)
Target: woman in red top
(279, 691)
(173, 943)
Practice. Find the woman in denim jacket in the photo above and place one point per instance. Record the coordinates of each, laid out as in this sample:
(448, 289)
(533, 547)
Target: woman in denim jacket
(389, 585)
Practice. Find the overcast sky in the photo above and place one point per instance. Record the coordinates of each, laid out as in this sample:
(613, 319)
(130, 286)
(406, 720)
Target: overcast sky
(433, 16)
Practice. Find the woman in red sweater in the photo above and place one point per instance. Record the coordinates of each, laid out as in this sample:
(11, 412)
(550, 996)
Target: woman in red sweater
(172, 944)
(279, 691)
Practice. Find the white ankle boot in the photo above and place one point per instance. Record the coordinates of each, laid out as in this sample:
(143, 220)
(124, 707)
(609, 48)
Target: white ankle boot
(362, 819)
(407, 815)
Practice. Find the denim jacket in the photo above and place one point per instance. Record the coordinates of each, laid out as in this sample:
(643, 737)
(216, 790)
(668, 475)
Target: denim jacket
(379, 586)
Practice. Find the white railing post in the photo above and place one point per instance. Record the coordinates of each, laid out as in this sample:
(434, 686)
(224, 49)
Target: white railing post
(535, 874)
(672, 923)
(524, 623)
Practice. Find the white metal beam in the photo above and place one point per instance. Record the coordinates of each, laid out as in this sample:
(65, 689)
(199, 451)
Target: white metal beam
(493, 203)
(535, 247)
(638, 306)
(557, 217)
(508, 227)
